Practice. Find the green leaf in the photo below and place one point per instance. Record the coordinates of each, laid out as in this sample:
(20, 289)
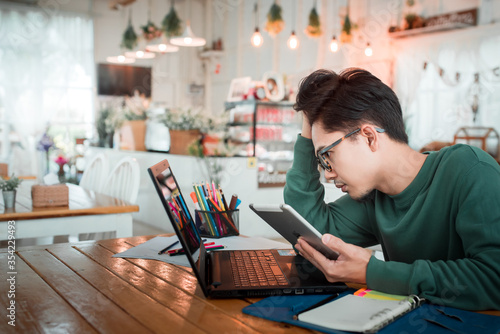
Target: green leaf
(347, 25)
(10, 184)
(129, 40)
(172, 23)
(274, 13)
(314, 18)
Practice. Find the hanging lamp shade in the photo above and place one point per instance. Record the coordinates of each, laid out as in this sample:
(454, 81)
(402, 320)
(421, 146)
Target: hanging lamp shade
(161, 45)
(121, 59)
(139, 54)
(188, 38)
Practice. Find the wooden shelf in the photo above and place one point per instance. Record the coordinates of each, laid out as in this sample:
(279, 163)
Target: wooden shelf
(211, 54)
(427, 30)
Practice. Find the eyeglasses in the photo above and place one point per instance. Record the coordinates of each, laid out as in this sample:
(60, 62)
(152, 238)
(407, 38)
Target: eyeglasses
(322, 155)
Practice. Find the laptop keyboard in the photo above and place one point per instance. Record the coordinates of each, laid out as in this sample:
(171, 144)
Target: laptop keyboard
(256, 269)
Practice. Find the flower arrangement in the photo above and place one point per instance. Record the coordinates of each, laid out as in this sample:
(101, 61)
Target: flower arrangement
(194, 119)
(177, 119)
(150, 31)
(313, 29)
(171, 24)
(275, 22)
(61, 160)
(45, 143)
(109, 119)
(10, 184)
(136, 107)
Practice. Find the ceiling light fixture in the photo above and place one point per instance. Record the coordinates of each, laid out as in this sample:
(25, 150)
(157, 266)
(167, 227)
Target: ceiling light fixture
(293, 41)
(161, 45)
(256, 39)
(188, 38)
(368, 50)
(334, 44)
(121, 59)
(139, 54)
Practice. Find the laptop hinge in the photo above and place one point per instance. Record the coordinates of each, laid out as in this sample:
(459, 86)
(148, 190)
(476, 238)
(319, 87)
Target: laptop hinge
(214, 268)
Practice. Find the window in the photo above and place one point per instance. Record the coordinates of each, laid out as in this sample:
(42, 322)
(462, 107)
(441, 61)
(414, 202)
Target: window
(46, 78)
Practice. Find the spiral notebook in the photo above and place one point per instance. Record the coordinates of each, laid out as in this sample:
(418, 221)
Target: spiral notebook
(359, 314)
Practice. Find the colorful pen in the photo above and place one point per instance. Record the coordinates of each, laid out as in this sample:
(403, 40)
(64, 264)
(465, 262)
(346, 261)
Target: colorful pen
(168, 247)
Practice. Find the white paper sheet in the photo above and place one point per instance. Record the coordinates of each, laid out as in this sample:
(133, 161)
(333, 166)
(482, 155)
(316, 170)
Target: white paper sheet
(149, 249)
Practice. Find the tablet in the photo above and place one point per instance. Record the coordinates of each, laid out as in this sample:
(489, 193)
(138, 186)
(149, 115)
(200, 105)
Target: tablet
(291, 225)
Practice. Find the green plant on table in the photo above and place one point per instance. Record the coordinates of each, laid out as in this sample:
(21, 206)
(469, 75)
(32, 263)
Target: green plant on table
(10, 184)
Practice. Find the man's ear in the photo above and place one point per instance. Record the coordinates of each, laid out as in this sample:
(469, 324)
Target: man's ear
(371, 136)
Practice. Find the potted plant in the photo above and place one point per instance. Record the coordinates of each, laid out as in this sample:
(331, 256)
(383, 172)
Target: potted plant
(9, 187)
(184, 128)
(133, 127)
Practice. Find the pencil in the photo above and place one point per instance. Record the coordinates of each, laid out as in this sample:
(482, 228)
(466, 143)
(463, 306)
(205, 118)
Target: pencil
(168, 247)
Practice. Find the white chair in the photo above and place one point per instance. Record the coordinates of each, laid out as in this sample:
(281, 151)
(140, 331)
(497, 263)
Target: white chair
(95, 173)
(123, 181)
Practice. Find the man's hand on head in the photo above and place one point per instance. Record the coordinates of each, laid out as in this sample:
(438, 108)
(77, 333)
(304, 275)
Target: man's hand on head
(350, 266)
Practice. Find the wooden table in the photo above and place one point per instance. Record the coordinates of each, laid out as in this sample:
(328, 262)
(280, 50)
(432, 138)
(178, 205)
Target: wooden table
(87, 212)
(80, 288)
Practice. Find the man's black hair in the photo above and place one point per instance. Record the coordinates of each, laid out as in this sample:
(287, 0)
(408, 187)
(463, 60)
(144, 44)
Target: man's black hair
(342, 102)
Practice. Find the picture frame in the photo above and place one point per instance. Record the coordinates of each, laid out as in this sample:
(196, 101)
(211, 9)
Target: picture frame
(274, 86)
(238, 89)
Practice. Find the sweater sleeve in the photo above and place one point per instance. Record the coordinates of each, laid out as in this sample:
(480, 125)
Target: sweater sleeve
(470, 282)
(345, 218)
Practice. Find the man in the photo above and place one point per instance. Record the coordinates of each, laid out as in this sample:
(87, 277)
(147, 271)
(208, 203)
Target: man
(436, 215)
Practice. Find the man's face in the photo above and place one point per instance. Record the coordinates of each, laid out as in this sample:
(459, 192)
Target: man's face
(350, 160)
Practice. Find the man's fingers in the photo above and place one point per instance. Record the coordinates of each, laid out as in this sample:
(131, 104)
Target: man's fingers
(334, 243)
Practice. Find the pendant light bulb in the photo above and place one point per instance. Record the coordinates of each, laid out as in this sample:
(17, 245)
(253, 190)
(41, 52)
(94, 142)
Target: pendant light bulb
(334, 44)
(368, 50)
(121, 59)
(257, 39)
(293, 41)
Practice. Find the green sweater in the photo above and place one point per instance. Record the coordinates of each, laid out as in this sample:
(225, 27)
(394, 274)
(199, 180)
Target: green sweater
(440, 236)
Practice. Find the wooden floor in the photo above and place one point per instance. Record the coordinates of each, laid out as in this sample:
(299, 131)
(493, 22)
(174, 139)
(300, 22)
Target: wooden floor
(80, 288)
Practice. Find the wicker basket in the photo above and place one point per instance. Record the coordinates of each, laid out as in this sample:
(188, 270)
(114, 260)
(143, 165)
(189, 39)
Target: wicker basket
(47, 196)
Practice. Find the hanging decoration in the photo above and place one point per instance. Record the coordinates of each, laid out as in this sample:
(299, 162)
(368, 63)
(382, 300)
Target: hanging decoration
(129, 40)
(256, 39)
(171, 24)
(444, 76)
(150, 31)
(275, 22)
(313, 29)
(475, 90)
(347, 27)
(473, 96)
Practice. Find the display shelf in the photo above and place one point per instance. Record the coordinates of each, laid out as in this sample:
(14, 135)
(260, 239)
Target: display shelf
(267, 131)
(211, 54)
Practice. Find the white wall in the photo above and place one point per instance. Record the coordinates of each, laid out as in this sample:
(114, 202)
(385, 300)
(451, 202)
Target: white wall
(234, 22)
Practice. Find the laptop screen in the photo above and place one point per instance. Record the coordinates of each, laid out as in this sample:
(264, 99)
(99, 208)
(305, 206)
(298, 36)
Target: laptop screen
(175, 205)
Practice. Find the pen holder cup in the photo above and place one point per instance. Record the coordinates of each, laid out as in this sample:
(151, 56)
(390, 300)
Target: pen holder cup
(214, 224)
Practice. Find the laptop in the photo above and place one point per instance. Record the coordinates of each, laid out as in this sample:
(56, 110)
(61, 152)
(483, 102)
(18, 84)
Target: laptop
(233, 273)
